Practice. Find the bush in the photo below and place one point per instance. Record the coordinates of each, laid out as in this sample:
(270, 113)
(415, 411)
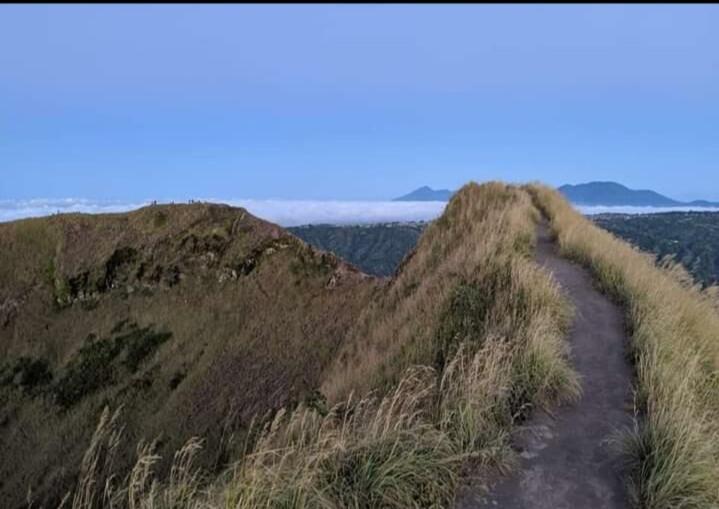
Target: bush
(139, 344)
(94, 366)
(27, 374)
(90, 370)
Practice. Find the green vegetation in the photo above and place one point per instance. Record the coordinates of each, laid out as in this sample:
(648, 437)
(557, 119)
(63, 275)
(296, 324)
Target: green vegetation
(27, 374)
(464, 318)
(140, 343)
(376, 249)
(691, 238)
(92, 368)
(673, 451)
(160, 219)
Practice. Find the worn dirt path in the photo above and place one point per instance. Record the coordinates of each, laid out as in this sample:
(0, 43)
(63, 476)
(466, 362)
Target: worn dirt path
(567, 461)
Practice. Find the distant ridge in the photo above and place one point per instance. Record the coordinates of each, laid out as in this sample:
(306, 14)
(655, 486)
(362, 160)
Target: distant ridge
(426, 193)
(614, 194)
(611, 194)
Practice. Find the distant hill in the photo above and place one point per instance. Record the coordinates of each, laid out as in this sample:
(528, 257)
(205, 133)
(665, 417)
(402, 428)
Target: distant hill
(377, 249)
(426, 193)
(691, 237)
(591, 193)
(614, 194)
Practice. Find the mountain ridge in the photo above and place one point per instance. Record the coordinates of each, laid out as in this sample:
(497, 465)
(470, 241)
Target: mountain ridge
(610, 193)
(426, 193)
(595, 193)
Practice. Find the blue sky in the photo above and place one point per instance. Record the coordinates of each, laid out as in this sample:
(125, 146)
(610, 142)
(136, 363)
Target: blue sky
(354, 102)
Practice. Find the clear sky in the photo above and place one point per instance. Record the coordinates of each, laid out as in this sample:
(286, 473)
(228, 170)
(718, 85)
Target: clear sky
(354, 102)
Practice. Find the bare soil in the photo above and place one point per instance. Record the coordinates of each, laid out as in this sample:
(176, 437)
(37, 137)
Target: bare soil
(570, 459)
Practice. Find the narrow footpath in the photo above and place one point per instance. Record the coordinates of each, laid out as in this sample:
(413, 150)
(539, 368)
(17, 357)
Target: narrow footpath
(567, 460)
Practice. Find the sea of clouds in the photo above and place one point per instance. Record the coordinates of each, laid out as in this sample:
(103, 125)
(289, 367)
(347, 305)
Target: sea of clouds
(626, 209)
(290, 212)
(282, 212)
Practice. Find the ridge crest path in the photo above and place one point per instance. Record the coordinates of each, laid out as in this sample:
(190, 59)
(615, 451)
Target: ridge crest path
(567, 460)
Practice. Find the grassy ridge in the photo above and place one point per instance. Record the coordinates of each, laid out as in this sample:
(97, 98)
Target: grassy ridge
(459, 345)
(674, 448)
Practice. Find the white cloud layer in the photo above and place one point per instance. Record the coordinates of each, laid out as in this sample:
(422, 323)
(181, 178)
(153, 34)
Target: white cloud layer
(289, 212)
(603, 209)
(293, 213)
(18, 209)
(283, 212)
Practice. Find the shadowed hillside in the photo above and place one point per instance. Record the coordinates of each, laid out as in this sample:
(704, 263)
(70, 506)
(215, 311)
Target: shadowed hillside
(376, 249)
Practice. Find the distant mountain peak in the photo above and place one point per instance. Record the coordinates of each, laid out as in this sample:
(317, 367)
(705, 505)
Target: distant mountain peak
(426, 193)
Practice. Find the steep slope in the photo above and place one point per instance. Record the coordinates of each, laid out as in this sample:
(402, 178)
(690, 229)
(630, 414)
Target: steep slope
(193, 318)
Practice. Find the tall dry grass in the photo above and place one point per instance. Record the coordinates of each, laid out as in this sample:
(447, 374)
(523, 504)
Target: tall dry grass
(466, 339)
(674, 447)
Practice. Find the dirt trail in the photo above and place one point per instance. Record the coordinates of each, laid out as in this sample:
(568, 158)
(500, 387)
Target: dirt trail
(567, 460)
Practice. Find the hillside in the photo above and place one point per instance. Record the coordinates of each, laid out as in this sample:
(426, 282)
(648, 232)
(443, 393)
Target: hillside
(376, 249)
(692, 238)
(193, 318)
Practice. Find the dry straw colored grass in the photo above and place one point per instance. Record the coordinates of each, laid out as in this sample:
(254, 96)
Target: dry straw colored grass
(674, 448)
(464, 341)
